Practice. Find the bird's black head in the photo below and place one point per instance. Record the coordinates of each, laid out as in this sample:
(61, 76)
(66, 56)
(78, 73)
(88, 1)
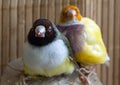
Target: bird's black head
(42, 33)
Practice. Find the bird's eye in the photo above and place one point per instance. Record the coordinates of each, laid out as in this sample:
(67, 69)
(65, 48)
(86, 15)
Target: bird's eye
(49, 29)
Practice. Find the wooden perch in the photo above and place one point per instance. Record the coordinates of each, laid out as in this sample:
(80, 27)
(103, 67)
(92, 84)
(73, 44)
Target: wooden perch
(14, 70)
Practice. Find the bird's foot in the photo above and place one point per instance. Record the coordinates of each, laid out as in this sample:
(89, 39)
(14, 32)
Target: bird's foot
(84, 75)
(92, 70)
(23, 79)
(84, 80)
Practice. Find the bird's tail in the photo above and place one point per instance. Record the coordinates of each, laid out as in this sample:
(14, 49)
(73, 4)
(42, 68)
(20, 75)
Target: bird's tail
(107, 63)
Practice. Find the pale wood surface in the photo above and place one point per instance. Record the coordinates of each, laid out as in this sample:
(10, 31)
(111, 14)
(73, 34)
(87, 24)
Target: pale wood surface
(99, 21)
(36, 9)
(28, 15)
(5, 33)
(43, 6)
(0, 35)
(13, 30)
(111, 28)
(51, 10)
(11, 76)
(58, 7)
(21, 27)
(116, 63)
(105, 35)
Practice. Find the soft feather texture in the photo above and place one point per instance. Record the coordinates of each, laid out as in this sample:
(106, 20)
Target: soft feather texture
(49, 59)
(49, 35)
(45, 57)
(64, 17)
(43, 61)
(86, 41)
(77, 42)
(94, 45)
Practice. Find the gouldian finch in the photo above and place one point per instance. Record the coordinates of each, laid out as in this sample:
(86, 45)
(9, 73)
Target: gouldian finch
(45, 51)
(84, 36)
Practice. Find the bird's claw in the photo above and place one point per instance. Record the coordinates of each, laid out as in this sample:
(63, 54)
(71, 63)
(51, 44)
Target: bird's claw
(23, 79)
(84, 80)
(84, 75)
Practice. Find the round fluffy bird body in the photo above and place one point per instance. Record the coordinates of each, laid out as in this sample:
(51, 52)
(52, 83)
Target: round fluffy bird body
(93, 51)
(84, 36)
(45, 52)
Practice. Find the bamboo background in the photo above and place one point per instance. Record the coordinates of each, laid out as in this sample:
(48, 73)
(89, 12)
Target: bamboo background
(17, 16)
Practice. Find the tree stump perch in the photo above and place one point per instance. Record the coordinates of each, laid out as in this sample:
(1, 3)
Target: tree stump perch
(11, 76)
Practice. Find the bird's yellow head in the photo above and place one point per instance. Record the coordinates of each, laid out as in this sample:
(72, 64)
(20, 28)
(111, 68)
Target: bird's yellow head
(70, 12)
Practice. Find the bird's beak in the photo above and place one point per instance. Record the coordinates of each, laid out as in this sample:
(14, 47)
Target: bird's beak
(40, 31)
(71, 13)
(40, 34)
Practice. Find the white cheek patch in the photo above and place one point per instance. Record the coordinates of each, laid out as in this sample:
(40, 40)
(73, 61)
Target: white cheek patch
(40, 28)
